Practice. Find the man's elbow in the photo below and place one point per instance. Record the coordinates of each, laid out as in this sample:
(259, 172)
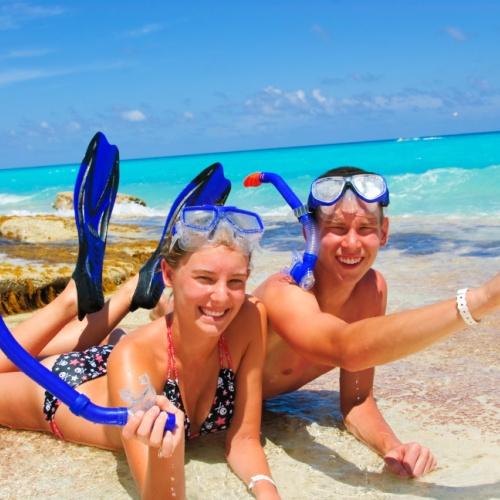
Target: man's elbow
(351, 358)
(352, 363)
(335, 357)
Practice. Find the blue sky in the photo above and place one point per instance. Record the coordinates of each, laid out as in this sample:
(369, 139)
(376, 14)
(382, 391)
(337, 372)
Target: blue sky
(164, 78)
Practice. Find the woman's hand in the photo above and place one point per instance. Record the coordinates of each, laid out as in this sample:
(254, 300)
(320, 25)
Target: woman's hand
(149, 427)
(410, 460)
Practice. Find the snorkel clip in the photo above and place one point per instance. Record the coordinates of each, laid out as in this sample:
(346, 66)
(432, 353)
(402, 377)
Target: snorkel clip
(301, 268)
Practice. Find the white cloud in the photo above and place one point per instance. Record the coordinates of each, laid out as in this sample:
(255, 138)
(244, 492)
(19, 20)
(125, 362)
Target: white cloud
(402, 102)
(273, 101)
(297, 97)
(25, 53)
(188, 115)
(273, 90)
(20, 75)
(14, 14)
(74, 126)
(456, 33)
(45, 129)
(134, 115)
(145, 30)
(316, 93)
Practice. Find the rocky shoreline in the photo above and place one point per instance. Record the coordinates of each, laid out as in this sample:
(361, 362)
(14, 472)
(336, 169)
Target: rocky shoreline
(38, 253)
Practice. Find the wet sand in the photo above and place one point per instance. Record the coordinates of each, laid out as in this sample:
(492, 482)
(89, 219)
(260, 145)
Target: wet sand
(445, 397)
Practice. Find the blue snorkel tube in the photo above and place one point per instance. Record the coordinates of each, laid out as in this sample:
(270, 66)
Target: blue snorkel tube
(78, 403)
(301, 268)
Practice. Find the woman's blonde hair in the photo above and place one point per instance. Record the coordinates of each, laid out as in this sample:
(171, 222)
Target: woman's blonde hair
(174, 253)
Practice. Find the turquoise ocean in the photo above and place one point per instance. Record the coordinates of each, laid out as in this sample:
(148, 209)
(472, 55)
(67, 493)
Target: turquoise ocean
(455, 175)
(446, 179)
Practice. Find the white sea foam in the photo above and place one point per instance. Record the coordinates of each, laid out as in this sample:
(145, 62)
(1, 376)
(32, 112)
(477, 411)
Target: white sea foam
(123, 210)
(447, 192)
(282, 212)
(65, 212)
(135, 210)
(9, 199)
(29, 212)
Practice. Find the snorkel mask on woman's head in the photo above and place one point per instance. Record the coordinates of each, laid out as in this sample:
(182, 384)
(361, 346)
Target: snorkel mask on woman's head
(353, 191)
(199, 225)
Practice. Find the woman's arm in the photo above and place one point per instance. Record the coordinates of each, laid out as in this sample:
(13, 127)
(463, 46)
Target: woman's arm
(156, 459)
(244, 451)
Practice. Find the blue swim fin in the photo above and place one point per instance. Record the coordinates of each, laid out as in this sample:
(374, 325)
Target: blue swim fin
(209, 187)
(93, 200)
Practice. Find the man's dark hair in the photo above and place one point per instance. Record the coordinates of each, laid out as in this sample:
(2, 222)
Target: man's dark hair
(343, 171)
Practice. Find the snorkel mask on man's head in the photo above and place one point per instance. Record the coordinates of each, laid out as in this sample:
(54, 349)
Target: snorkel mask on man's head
(215, 224)
(349, 189)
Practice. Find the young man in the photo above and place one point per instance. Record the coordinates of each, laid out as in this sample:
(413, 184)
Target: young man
(341, 321)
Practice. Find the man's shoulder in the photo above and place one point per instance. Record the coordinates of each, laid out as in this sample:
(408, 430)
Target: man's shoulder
(374, 283)
(371, 291)
(280, 291)
(374, 279)
(272, 283)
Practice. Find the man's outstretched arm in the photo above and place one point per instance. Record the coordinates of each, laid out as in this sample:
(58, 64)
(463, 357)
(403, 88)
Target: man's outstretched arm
(364, 420)
(325, 339)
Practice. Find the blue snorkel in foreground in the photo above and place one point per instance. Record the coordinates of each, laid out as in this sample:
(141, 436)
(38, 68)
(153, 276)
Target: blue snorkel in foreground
(301, 269)
(78, 403)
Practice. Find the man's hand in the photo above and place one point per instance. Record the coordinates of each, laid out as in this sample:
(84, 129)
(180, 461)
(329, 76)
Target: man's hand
(410, 460)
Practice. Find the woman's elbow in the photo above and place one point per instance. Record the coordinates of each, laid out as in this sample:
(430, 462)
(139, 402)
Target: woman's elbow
(241, 444)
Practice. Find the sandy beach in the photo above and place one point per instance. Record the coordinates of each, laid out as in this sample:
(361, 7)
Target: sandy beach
(445, 397)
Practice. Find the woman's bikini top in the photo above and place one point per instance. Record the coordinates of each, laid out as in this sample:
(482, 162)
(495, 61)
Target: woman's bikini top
(221, 412)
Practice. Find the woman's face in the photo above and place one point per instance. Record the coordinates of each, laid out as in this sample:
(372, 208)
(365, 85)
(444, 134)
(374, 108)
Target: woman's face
(209, 287)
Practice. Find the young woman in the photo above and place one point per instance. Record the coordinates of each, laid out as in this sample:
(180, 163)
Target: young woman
(203, 360)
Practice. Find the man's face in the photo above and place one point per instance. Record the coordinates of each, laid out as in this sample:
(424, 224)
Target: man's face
(350, 240)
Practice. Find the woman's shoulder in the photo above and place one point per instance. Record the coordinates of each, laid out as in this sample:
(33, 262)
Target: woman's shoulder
(141, 342)
(142, 351)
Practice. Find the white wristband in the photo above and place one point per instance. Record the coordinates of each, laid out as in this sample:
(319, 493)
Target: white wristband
(259, 477)
(463, 308)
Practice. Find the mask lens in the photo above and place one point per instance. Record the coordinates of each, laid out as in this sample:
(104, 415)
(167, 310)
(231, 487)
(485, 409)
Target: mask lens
(199, 218)
(328, 189)
(244, 222)
(369, 186)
